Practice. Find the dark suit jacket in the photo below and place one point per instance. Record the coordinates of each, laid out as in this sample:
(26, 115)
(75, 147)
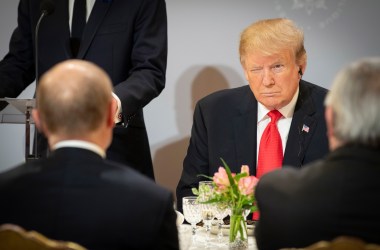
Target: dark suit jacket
(76, 195)
(225, 125)
(338, 195)
(127, 38)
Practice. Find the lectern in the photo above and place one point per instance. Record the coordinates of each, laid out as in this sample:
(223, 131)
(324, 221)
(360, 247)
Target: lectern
(25, 106)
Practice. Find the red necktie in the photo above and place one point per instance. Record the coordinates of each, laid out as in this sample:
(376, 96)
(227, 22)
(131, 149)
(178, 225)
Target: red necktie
(270, 151)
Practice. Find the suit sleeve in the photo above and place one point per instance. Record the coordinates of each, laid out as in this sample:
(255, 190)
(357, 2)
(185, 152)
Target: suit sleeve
(168, 233)
(149, 57)
(17, 67)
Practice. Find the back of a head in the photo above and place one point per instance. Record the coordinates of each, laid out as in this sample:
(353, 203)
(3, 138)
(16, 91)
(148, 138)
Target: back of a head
(73, 98)
(355, 101)
(272, 36)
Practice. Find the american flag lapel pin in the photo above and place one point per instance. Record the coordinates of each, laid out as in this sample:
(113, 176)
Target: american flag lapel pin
(305, 128)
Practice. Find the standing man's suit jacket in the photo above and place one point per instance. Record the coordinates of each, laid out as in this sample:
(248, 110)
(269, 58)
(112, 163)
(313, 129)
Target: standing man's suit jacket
(127, 38)
(225, 126)
(76, 195)
(336, 196)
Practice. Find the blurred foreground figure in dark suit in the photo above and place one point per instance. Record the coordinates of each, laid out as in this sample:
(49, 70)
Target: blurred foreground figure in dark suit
(75, 194)
(338, 195)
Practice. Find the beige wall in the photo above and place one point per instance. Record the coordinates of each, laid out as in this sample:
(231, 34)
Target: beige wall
(203, 40)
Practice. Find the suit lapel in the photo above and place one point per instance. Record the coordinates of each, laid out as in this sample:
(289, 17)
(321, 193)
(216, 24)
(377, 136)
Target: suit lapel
(97, 15)
(301, 130)
(245, 133)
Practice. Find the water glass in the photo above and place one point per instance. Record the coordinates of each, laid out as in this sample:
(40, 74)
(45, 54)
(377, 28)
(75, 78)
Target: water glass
(205, 190)
(191, 211)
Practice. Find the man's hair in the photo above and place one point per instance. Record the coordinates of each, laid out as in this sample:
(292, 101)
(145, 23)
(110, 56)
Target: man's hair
(272, 36)
(73, 99)
(355, 101)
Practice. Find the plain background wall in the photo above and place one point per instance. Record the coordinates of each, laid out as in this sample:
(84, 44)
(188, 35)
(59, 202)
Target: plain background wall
(203, 58)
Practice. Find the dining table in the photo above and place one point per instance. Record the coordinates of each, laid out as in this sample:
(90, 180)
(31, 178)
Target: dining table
(203, 240)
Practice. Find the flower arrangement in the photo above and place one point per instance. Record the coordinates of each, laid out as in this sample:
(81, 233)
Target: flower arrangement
(236, 190)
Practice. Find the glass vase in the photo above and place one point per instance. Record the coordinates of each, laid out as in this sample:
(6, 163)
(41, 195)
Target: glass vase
(238, 238)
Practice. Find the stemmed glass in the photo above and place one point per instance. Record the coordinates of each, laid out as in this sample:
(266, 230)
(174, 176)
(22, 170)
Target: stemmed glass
(205, 190)
(221, 211)
(192, 211)
(245, 214)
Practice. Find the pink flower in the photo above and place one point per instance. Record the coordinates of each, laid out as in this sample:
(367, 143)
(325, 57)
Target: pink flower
(221, 179)
(247, 184)
(244, 169)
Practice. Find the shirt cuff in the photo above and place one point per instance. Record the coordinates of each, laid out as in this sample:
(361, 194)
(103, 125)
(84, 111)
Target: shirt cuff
(118, 115)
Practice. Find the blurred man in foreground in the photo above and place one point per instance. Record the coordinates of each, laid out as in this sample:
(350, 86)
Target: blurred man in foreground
(75, 194)
(338, 195)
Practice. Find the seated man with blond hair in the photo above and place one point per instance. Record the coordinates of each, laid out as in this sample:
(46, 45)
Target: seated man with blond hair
(233, 124)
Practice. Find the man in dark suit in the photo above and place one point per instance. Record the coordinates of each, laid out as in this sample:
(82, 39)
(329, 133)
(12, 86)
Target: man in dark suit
(338, 195)
(75, 194)
(229, 124)
(127, 38)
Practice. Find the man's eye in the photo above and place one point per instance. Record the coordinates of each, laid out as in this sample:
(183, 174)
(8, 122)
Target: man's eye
(278, 68)
(256, 70)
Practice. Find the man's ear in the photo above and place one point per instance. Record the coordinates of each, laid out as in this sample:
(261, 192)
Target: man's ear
(301, 70)
(37, 120)
(112, 108)
(246, 74)
(39, 123)
(329, 116)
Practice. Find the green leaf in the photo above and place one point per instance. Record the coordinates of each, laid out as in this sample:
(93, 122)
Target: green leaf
(207, 177)
(230, 178)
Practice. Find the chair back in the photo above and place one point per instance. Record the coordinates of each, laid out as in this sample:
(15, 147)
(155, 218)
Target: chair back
(13, 237)
(340, 243)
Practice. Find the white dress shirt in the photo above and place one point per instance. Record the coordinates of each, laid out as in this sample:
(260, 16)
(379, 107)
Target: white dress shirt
(283, 123)
(89, 6)
(80, 144)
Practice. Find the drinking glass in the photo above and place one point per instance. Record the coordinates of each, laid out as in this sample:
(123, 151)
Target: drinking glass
(221, 211)
(192, 211)
(205, 190)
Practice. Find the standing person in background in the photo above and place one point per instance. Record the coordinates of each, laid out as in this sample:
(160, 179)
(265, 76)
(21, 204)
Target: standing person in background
(75, 194)
(127, 38)
(339, 195)
(233, 123)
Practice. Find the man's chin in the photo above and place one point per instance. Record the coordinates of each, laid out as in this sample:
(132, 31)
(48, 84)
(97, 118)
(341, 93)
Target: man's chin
(270, 103)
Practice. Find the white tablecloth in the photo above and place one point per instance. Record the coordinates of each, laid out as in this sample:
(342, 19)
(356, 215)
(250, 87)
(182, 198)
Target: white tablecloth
(187, 242)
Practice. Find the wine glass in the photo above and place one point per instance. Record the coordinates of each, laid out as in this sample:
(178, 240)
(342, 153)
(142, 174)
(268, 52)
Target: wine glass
(221, 211)
(191, 211)
(205, 190)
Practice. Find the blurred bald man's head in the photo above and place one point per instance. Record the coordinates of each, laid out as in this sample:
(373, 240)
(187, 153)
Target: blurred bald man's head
(74, 101)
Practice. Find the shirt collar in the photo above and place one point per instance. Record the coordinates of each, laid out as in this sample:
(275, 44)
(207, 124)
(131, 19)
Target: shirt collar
(80, 144)
(287, 111)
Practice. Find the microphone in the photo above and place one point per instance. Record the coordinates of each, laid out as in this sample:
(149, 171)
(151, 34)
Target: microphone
(46, 8)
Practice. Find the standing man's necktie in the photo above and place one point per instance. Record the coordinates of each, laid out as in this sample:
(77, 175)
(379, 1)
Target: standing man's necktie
(77, 27)
(270, 150)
